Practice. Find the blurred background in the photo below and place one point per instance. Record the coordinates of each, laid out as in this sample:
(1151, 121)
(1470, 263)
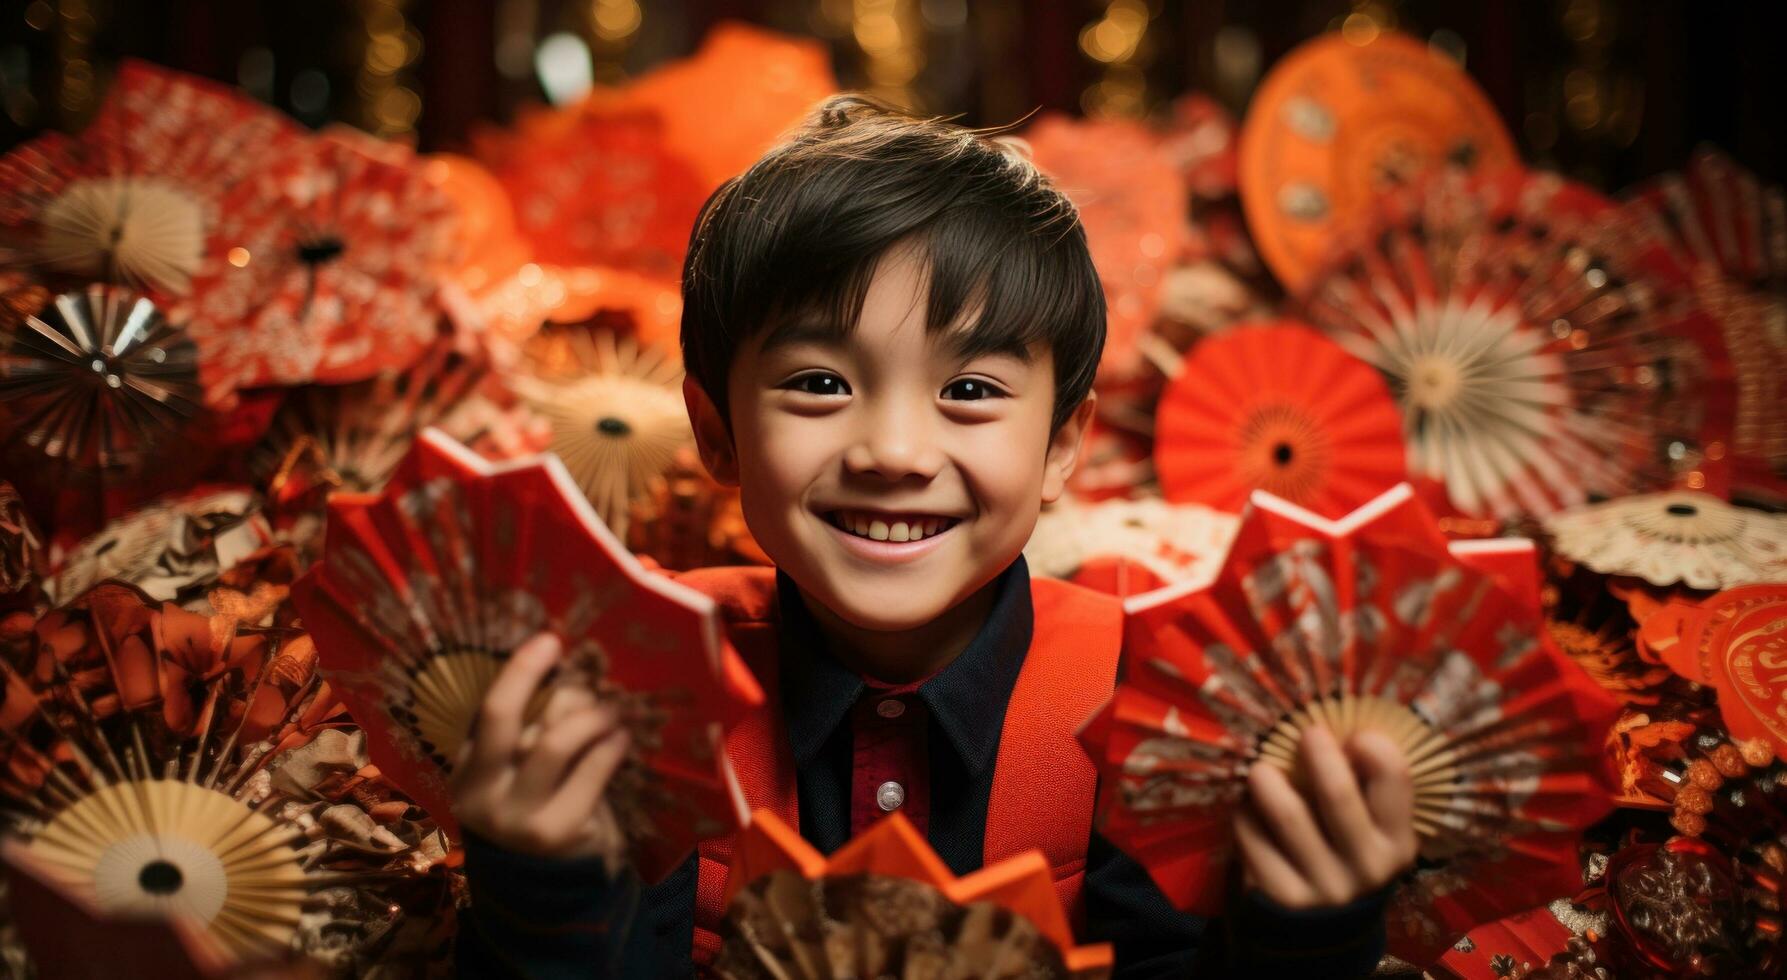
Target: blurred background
(1608, 92)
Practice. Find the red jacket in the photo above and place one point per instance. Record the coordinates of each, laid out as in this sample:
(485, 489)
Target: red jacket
(1044, 786)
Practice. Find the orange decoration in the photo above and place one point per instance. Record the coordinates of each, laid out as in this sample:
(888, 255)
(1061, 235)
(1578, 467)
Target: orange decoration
(1277, 407)
(1749, 667)
(1334, 124)
(1701, 630)
(1135, 209)
(892, 848)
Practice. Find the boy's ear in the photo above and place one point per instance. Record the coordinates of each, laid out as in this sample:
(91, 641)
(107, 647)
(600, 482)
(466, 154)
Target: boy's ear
(713, 439)
(1064, 449)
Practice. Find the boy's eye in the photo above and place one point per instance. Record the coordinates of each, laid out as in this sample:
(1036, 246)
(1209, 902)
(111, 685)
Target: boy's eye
(818, 383)
(970, 390)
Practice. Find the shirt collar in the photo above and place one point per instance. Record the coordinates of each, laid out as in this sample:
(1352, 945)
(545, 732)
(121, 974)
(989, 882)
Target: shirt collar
(967, 698)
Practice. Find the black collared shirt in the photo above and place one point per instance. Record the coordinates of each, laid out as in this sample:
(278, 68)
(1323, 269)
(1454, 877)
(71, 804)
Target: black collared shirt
(543, 918)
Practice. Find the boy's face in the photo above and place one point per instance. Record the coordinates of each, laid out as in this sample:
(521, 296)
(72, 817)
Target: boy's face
(887, 475)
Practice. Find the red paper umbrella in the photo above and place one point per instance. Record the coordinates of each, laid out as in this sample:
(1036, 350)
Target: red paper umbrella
(424, 590)
(1539, 354)
(133, 198)
(1278, 408)
(1134, 207)
(325, 266)
(1367, 623)
(1730, 231)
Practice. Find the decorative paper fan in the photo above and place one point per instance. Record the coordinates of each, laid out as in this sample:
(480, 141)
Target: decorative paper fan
(1278, 408)
(136, 747)
(1133, 205)
(1539, 355)
(616, 411)
(1664, 538)
(884, 905)
(491, 252)
(424, 591)
(1368, 623)
(134, 197)
(1730, 231)
(1510, 947)
(687, 520)
(99, 379)
(1749, 667)
(325, 266)
(169, 547)
(1334, 124)
(760, 82)
(597, 188)
(23, 560)
(1163, 541)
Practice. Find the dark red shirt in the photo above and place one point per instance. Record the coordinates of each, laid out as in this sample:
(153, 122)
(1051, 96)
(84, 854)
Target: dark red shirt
(889, 768)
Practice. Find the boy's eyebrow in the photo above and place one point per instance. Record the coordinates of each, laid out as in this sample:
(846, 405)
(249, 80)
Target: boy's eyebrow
(801, 330)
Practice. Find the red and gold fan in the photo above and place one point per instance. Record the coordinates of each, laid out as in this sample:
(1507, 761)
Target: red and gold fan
(1371, 622)
(425, 589)
(1511, 947)
(1277, 407)
(1540, 352)
(1748, 665)
(886, 905)
(147, 763)
(325, 265)
(1336, 123)
(1730, 231)
(1135, 209)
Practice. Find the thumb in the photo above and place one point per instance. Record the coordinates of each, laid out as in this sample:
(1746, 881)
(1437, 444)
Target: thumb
(1384, 775)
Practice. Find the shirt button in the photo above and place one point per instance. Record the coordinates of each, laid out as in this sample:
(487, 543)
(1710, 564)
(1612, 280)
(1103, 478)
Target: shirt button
(889, 796)
(891, 708)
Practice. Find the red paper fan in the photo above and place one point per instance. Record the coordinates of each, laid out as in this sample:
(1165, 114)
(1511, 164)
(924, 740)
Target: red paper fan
(424, 590)
(1701, 624)
(1749, 667)
(325, 265)
(1278, 408)
(1134, 207)
(1370, 622)
(1730, 231)
(1539, 353)
(133, 198)
(886, 899)
(1496, 950)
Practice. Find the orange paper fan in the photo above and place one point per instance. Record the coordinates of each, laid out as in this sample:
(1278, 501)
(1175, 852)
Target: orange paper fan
(1280, 408)
(1334, 124)
(1372, 622)
(424, 590)
(886, 898)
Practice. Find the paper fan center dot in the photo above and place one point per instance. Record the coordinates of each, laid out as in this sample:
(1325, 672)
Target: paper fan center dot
(321, 250)
(1434, 382)
(608, 425)
(1281, 453)
(160, 878)
(1682, 510)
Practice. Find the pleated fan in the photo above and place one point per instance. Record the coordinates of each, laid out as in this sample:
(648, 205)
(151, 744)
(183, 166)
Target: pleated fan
(424, 590)
(1369, 623)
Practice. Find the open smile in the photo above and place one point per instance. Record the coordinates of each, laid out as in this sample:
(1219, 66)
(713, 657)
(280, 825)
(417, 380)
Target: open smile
(888, 537)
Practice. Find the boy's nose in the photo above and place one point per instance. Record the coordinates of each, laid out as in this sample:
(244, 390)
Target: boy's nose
(894, 445)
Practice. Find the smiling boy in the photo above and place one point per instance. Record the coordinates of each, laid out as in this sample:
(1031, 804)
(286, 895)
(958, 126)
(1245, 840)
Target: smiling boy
(890, 329)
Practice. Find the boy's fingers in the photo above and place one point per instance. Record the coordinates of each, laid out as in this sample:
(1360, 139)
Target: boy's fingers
(1271, 871)
(1389, 788)
(498, 724)
(1283, 813)
(582, 789)
(543, 770)
(1348, 822)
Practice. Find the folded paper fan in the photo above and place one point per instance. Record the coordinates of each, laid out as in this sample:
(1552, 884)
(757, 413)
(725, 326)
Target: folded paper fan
(1372, 622)
(1692, 538)
(1335, 123)
(1542, 353)
(1730, 230)
(144, 756)
(424, 590)
(1277, 407)
(885, 904)
(1510, 947)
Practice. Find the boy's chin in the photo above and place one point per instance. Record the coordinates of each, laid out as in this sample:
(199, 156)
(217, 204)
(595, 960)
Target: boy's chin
(887, 607)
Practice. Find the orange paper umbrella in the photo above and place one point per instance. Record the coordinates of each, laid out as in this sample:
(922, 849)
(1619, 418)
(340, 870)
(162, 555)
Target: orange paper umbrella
(1135, 209)
(1278, 408)
(423, 592)
(1539, 354)
(1369, 623)
(1730, 231)
(885, 904)
(1683, 537)
(1334, 124)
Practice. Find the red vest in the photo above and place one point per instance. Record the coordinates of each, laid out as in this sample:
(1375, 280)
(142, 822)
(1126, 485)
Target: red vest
(1044, 786)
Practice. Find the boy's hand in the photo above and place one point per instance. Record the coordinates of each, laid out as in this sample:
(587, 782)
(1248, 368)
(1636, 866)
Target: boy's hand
(1358, 835)
(535, 785)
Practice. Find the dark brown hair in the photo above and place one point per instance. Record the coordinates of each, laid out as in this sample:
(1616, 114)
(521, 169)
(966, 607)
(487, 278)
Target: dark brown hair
(796, 238)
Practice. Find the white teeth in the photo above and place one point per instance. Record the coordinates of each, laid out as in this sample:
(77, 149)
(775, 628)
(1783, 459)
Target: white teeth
(917, 531)
(897, 531)
(878, 530)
